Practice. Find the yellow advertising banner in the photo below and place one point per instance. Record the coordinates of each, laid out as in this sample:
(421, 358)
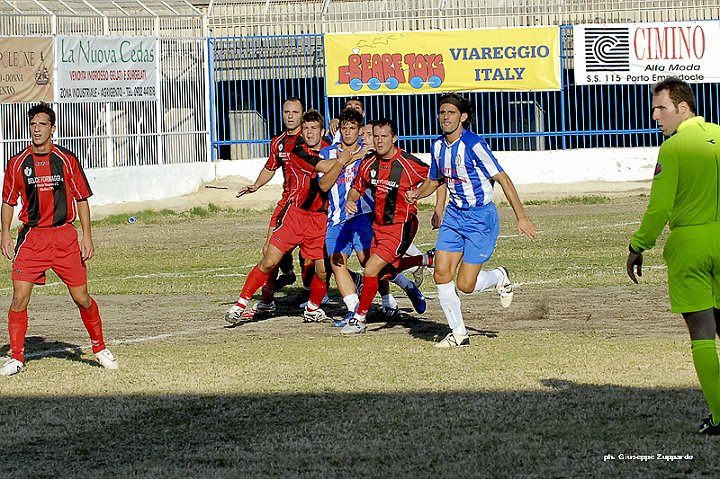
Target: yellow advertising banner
(438, 61)
(26, 69)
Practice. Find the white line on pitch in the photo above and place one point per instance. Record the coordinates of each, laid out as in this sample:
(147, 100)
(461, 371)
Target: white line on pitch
(119, 342)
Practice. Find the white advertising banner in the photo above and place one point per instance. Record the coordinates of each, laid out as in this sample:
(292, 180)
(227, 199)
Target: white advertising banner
(105, 68)
(638, 53)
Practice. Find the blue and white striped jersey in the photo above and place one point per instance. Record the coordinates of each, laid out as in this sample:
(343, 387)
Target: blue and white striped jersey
(339, 191)
(467, 167)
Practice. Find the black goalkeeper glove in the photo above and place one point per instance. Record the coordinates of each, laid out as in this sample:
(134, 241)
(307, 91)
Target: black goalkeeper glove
(635, 260)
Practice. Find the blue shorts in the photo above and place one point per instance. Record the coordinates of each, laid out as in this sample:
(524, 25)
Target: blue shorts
(355, 234)
(473, 232)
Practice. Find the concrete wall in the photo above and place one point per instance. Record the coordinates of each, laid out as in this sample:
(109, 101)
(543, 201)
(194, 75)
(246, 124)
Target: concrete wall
(142, 183)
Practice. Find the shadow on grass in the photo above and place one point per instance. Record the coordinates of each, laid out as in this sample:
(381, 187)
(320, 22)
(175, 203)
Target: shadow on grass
(565, 429)
(37, 347)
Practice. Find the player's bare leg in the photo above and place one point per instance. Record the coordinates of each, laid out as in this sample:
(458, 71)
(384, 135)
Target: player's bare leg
(345, 283)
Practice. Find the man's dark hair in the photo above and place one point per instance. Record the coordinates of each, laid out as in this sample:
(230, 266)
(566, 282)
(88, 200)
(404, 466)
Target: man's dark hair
(313, 115)
(678, 90)
(42, 108)
(354, 98)
(463, 105)
(386, 122)
(349, 115)
(294, 98)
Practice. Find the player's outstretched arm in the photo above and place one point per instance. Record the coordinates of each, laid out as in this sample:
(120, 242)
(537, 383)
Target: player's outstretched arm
(426, 189)
(7, 243)
(262, 179)
(525, 226)
(87, 248)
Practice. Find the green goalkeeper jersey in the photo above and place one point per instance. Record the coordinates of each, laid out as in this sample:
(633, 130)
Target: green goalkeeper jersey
(686, 187)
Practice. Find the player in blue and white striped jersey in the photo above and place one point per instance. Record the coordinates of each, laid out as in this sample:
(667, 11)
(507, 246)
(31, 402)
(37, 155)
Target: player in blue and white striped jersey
(354, 232)
(463, 161)
(468, 167)
(346, 232)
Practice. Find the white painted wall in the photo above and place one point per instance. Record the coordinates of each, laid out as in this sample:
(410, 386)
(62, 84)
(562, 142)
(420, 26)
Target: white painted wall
(119, 185)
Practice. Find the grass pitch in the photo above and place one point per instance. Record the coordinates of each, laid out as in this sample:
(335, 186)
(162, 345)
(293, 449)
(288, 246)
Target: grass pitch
(585, 375)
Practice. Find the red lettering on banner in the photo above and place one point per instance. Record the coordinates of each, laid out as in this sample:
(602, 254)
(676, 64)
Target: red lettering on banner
(669, 43)
(392, 69)
(367, 66)
(425, 66)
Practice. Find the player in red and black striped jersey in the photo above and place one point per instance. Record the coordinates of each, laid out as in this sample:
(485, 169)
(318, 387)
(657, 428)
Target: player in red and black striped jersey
(302, 221)
(50, 183)
(280, 148)
(389, 174)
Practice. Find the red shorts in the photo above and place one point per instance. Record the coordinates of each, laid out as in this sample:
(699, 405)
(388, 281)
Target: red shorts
(41, 249)
(279, 211)
(299, 227)
(392, 241)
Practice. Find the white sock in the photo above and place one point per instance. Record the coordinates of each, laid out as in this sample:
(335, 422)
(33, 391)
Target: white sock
(351, 301)
(402, 281)
(413, 250)
(450, 304)
(388, 301)
(487, 279)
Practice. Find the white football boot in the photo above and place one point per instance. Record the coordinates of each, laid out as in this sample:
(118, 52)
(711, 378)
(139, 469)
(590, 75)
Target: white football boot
(107, 359)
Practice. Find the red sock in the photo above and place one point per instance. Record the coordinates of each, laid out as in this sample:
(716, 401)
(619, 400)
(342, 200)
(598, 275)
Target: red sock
(17, 327)
(91, 319)
(308, 274)
(255, 279)
(370, 287)
(317, 291)
(268, 289)
(408, 262)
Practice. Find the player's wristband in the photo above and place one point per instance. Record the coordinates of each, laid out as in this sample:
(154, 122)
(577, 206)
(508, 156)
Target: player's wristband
(632, 250)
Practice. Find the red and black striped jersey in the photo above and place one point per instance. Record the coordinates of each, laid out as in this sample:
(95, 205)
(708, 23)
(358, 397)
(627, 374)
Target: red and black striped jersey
(301, 180)
(280, 148)
(48, 185)
(388, 181)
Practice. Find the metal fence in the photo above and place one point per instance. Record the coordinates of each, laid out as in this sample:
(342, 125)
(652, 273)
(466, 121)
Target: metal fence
(251, 76)
(267, 50)
(173, 129)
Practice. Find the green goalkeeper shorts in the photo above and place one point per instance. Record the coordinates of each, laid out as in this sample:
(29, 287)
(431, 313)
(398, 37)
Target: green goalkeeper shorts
(692, 254)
